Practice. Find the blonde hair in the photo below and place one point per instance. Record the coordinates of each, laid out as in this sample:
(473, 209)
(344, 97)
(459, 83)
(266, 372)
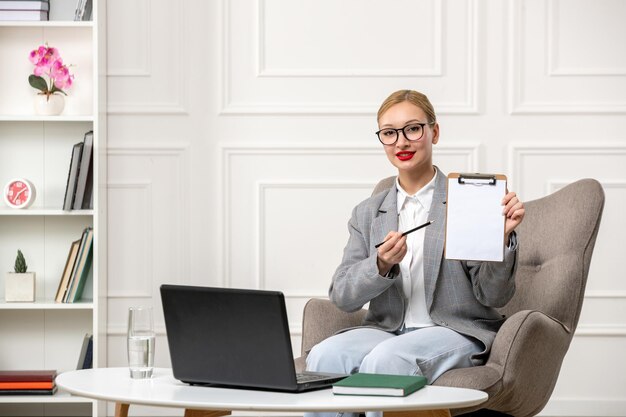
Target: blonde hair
(414, 97)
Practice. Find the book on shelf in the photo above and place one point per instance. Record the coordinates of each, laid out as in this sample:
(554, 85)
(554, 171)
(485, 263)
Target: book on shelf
(88, 196)
(67, 271)
(29, 391)
(81, 269)
(27, 385)
(45, 375)
(85, 174)
(379, 385)
(72, 176)
(41, 5)
(85, 358)
(23, 15)
(28, 382)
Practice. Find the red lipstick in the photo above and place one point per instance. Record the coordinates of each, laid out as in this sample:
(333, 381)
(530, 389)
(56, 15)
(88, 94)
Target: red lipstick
(405, 155)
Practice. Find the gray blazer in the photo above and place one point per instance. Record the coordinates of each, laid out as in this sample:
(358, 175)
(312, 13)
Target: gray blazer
(460, 295)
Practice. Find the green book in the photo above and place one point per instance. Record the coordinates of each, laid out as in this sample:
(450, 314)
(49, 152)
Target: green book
(379, 384)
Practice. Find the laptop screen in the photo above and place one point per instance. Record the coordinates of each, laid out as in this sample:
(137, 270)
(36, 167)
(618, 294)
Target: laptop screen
(228, 336)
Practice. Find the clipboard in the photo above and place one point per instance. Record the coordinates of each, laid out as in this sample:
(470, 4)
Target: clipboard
(474, 220)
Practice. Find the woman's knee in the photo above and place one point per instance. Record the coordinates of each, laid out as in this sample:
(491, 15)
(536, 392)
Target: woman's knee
(344, 352)
(325, 357)
(386, 361)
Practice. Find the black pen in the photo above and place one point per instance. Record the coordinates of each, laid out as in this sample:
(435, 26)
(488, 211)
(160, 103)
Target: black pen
(410, 231)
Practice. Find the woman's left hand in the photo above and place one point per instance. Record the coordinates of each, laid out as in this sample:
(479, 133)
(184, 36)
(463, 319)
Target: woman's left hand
(513, 211)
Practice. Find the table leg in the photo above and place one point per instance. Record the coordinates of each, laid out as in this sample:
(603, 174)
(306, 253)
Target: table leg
(205, 413)
(423, 413)
(121, 410)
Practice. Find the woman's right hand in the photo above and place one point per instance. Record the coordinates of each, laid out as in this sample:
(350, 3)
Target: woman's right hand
(391, 252)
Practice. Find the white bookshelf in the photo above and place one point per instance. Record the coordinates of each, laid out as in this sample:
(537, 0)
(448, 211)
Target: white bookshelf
(44, 304)
(58, 398)
(44, 334)
(59, 24)
(52, 119)
(6, 211)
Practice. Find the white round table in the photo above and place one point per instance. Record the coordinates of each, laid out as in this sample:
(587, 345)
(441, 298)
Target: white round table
(115, 384)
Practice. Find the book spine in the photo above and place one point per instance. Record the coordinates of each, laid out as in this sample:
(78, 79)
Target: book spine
(28, 376)
(24, 15)
(83, 172)
(88, 362)
(74, 278)
(83, 264)
(24, 5)
(26, 385)
(84, 273)
(29, 391)
(67, 271)
(70, 188)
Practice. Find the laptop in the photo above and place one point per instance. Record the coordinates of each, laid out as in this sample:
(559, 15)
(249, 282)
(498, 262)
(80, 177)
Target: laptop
(233, 338)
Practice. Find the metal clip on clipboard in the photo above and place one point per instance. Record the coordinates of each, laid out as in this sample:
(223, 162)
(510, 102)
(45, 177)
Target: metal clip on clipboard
(477, 179)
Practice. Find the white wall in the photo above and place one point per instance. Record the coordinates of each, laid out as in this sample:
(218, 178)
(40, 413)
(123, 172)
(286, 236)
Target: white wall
(241, 136)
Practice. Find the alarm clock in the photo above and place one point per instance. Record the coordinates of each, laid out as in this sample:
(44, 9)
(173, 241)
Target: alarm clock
(19, 193)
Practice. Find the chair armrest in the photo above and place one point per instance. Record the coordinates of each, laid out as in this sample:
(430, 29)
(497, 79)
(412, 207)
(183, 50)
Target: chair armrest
(522, 367)
(321, 319)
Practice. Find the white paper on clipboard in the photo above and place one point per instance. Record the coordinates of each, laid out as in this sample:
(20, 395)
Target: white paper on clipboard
(475, 223)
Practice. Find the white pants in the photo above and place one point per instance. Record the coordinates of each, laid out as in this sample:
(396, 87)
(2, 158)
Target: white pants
(428, 351)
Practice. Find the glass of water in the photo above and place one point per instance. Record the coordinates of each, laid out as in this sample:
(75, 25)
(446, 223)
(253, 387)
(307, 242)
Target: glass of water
(140, 342)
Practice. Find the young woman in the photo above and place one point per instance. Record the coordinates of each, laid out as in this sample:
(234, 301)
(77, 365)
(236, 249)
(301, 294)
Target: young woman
(426, 314)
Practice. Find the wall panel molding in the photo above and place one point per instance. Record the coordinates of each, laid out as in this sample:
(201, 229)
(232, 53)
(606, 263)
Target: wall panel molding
(553, 185)
(178, 83)
(519, 103)
(518, 152)
(261, 190)
(468, 151)
(584, 406)
(148, 108)
(341, 108)
(155, 188)
(230, 151)
(554, 69)
(144, 70)
(145, 188)
(593, 330)
(435, 71)
(137, 149)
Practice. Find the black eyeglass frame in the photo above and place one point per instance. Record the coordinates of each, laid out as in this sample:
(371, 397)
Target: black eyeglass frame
(403, 132)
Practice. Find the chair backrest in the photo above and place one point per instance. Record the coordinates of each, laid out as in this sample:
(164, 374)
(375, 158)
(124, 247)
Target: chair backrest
(556, 241)
(383, 185)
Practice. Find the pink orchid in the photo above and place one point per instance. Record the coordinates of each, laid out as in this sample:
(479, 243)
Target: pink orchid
(36, 54)
(61, 74)
(44, 56)
(48, 62)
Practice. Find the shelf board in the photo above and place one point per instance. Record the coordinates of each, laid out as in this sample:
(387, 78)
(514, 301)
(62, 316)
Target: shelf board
(46, 24)
(8, 211)
(59, 397)
(46, 305)
(34, 118)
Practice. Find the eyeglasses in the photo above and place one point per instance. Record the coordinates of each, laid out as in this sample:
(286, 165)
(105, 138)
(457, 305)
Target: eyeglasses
(414, 131)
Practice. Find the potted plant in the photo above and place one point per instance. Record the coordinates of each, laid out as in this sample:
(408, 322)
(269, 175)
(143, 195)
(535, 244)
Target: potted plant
(20, 285)
(48, 63)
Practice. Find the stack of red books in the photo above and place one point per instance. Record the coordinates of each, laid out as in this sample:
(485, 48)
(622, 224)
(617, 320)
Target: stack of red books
(27, 382)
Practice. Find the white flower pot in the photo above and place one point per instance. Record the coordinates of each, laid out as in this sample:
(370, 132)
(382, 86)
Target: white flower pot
(51, 105)
(19, 287)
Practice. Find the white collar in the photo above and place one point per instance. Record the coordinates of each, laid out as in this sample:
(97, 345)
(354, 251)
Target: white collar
(424, 196)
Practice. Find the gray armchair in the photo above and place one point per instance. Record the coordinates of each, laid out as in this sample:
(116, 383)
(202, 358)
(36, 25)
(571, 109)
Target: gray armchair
(556, 238)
